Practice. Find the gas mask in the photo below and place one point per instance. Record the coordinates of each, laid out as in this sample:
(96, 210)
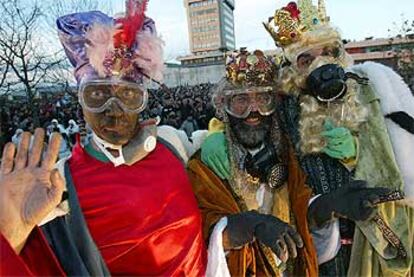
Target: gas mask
(326, 79)
(327, 83)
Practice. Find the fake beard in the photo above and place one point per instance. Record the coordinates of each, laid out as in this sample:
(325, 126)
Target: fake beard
(251, 137)
(346, 112)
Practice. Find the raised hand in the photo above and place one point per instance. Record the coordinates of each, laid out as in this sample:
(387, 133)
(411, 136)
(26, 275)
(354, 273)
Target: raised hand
(30, 187)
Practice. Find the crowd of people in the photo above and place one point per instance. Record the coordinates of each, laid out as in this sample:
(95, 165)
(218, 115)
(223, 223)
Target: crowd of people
(188, 108)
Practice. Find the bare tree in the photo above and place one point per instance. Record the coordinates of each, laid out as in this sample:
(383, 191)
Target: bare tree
(4, 71)
(61, 7)
(25, 60)
(61, 76)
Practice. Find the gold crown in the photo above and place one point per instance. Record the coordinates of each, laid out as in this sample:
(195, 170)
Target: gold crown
(250, 69)
(289, 23)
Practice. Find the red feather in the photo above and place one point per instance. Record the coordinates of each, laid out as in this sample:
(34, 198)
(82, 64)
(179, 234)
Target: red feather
(292, 8)
(131, 23)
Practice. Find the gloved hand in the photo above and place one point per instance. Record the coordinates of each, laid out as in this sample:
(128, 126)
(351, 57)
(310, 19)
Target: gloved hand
(261, 163)
(356, 202)
(279, 236)
(340, 142)
(214, 154)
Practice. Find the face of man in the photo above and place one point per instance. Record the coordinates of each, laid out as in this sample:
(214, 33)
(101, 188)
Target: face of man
(252, 131)
(322, 74)
(305, 59)
(112, 107)
(113, 125)
(250, 115)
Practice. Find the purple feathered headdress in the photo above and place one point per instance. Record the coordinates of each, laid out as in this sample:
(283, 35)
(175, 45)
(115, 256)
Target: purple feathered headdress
(99, 46)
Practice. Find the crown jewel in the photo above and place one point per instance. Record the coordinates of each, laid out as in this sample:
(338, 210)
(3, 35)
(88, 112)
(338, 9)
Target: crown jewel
(249, 69)
(289, 23)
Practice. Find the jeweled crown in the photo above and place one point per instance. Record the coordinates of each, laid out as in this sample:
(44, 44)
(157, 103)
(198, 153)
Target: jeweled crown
(289, 23)
(250, 69)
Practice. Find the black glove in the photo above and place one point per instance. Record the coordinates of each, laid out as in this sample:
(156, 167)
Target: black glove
(261, 163)
(356, 202)
(279, 236)
(241, 227)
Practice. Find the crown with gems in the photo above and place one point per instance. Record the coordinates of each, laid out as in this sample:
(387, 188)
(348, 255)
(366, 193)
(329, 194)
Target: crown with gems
(289, 23)
(250, 69)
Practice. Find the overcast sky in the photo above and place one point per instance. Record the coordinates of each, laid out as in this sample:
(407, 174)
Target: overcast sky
(356, 19)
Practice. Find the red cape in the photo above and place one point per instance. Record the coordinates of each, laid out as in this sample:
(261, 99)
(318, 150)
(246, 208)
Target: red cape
(144, 218)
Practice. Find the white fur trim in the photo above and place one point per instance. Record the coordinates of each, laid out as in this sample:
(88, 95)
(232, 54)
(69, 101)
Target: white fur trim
(403, 145)
(217, 263)
(395, 96)
(327, 240)
(198, 137)
(394, 93)
(178, 139)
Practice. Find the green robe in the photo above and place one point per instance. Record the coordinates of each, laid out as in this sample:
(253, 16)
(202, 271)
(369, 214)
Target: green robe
(372, 255)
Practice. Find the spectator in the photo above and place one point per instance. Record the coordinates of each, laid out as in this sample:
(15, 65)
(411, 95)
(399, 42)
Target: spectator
(189, 125)
(188, 107)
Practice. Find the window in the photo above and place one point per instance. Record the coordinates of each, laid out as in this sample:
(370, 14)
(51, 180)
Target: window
(228, 29)
(203, 12)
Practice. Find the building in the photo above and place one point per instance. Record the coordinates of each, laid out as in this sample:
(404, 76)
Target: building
(381, 50)
(211, 31)
(179, 75)
(211, 35)
(210, 25)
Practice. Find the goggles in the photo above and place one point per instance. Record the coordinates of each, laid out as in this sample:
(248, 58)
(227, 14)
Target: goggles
(240, 103)
(97, 95)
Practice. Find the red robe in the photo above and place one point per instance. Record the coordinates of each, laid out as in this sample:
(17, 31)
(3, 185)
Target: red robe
(35, 259)
(144, 218)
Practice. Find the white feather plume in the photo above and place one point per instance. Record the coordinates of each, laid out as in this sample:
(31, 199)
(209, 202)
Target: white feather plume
(150, 55)
(100, 44)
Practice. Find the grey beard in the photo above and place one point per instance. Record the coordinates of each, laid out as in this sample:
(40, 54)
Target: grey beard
(250, 137)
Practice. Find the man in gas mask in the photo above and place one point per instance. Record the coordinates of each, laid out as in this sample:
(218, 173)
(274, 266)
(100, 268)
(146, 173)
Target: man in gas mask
(348, 122)
(128, 207)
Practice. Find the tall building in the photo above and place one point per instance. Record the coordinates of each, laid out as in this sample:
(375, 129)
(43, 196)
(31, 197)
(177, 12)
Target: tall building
(211, 30)
(210, 25)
